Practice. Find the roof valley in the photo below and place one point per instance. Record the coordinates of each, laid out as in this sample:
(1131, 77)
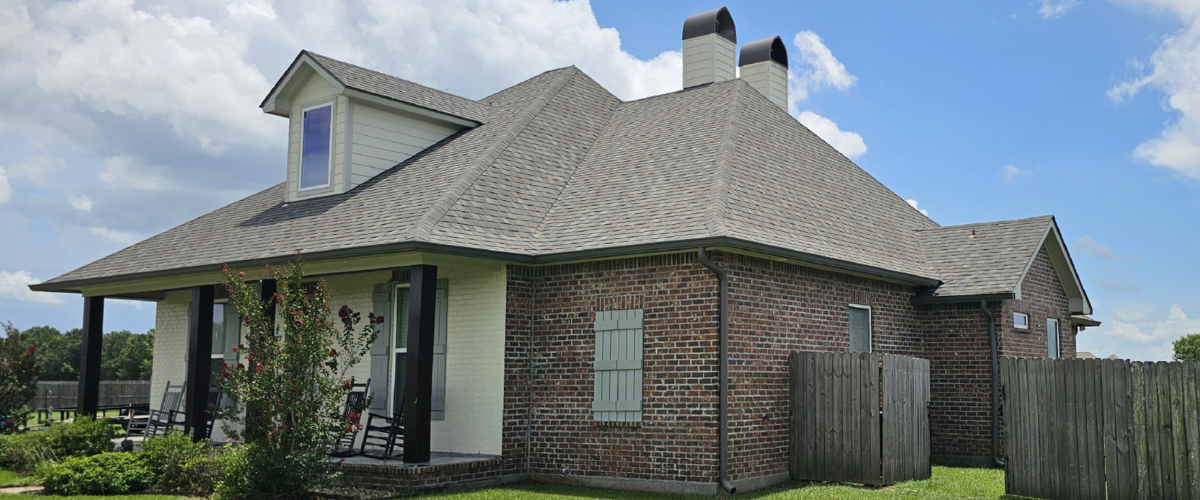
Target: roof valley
(425, 226)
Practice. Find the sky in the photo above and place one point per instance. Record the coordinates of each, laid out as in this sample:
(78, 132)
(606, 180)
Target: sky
(125, 118)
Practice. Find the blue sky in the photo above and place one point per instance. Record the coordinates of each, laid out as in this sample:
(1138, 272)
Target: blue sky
(125, 118)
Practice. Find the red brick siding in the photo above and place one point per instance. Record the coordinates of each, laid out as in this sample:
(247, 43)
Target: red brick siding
(1042, 298)
(958, 347)
(777, 308)
(518, 403)
(676, 440)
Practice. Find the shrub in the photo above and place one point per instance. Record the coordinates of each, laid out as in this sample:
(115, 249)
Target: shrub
(18, 377)
(292, 385)
(25, 452)
(238, 476)
(103, 474)
(180, 465)
(85, 436)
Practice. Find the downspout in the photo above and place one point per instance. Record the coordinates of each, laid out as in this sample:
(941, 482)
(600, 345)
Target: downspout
(996, 458)
(723, 383)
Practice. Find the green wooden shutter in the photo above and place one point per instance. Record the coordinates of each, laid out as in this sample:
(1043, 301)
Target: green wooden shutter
(618, 366)
(381, 301)
(860, 329)
(438, 402)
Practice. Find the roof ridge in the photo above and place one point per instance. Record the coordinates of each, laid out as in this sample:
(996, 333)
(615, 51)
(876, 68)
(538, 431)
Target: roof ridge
(364, 68)
(718, 191)
(955, 226)
(424, 226)
(483, 100)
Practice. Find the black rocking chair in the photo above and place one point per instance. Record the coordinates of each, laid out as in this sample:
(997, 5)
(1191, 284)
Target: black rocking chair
(384, 436)
(161, 420)
(356, 402)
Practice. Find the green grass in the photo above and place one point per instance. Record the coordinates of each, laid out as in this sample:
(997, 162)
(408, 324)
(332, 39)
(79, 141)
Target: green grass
(947, 484)
(10, 478)
(5, 496)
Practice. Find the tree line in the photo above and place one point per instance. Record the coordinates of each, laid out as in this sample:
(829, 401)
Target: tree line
(125, 355)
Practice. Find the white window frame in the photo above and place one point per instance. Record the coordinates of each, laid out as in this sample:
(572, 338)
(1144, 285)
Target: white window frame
(300, 154)
(1053, 349)
(870, 321)
(1021, 315)
(222, 306)
(392, 349)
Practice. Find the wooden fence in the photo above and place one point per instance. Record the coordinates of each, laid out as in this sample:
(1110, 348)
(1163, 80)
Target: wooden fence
(64, 394)
(859, 417)
(1096, 429)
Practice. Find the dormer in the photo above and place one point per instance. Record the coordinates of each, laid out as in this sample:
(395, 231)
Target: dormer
(349, 124)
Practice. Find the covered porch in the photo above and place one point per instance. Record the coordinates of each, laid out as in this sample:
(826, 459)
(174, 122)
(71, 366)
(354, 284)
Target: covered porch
(442, 343)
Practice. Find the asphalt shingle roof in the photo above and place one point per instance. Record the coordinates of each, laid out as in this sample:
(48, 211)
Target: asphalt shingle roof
(560, 165)
(992, 261)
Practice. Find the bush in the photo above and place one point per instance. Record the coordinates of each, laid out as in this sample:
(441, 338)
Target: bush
(84, 437)
(181, 466)
(238, 475)
(18, 376)
(103, 474)
(25, 452)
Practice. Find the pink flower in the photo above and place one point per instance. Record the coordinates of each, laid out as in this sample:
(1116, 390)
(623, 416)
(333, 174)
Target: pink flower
(299, 322)
(346, 385)
(241, 274)
(258, 368)
(234, 348)
(332, 353)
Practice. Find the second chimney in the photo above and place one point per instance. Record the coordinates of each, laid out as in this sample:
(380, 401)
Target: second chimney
(709, 48)
(764, 66)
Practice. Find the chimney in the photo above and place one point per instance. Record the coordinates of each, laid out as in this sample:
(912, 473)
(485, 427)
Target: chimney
(709, 48)
(764, 66)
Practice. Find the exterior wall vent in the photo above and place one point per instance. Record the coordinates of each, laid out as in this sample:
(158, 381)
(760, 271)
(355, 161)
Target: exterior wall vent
(764, 65)
(709, 48)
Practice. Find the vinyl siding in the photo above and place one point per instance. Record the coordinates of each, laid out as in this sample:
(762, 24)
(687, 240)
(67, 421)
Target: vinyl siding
(769, 78)
(708, 59)
(382, 139)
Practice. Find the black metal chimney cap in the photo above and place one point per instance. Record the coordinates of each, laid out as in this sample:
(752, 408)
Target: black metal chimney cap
(706, 23)
(767, 49)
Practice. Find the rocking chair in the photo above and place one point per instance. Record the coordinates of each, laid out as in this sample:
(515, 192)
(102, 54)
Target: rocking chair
(161, 420)
(384, 435)
(355, 403)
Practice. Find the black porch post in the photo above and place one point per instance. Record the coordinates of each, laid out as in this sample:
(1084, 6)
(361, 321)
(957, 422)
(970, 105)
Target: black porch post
(200, 332)
(89, 356)
(266, 293)
(422, 297)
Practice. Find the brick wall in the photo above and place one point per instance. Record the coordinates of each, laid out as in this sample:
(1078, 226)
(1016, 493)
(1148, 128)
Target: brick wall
(1042, 298)
(556, 305)
(170, 344)
(958, 347)
(777, 308)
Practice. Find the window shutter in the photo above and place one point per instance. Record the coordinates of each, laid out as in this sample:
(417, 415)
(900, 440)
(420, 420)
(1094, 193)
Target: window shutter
(618, 366)
(438, 403)
(860, 329)
(381, 301)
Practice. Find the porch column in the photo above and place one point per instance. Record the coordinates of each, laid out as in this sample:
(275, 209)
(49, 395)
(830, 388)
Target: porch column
(200, 332)
(266, 293)
(89, 356)
(422, 298)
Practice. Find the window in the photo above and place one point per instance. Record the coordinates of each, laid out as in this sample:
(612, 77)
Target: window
(315, 141)
(860, 328)
(618, 366)
(1052, 338)
(227, 332)
(400, 350)
(1021, 320)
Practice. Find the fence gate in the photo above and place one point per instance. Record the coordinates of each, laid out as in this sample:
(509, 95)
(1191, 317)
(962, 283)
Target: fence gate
(859, 417)
(1096, 429)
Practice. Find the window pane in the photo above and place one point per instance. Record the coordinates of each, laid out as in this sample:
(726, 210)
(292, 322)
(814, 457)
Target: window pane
(218, 335)
(314, 160)
(860, 329)
(1052, 338)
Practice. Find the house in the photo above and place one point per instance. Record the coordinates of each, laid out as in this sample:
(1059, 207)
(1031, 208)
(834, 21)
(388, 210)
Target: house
(616, 284)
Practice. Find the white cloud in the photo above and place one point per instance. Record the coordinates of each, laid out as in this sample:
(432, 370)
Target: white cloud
(5, 187)
(1152, 335)
(1011, 173)
(848, 143)
(1054, 9)
(913, 203)
(1094, 248)
(81, 202)
(121, 237)
(125, 171)
(16, 286)
(1175, 73)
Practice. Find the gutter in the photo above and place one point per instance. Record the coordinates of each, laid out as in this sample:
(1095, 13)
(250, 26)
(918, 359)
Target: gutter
(723, 382)
(996, 458)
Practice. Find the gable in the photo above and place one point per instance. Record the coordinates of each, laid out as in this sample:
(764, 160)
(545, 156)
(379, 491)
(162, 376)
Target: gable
(1064, 269)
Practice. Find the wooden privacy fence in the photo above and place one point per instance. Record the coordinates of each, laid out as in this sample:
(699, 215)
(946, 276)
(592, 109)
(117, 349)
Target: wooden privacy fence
(64, 394)
(1095, 429)
(859, 417)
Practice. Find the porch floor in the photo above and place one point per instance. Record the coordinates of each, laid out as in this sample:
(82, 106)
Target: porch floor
(436, 458)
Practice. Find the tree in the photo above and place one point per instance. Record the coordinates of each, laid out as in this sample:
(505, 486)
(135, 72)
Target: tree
(290, 384)
(18, 377)
(124, 355)
(1187, 348)
(58, 354)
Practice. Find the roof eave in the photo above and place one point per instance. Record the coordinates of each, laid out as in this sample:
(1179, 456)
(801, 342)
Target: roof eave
(952, 299)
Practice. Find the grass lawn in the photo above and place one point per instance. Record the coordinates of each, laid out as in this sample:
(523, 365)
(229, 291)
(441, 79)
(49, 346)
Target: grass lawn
(10, 478)
(5, 496)
(947, 483)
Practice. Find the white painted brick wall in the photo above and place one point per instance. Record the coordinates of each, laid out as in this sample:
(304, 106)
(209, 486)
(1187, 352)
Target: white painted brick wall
(170, 344)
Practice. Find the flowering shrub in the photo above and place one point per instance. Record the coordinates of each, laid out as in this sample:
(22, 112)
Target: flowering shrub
(290, 383)
(18, 378)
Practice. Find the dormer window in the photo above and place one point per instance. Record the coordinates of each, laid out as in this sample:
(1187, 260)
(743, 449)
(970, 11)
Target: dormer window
(316, 160)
